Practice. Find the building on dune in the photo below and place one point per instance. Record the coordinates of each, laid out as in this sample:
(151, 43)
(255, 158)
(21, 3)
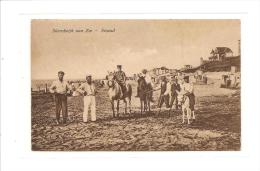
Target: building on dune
(219, 59)
(157, 73)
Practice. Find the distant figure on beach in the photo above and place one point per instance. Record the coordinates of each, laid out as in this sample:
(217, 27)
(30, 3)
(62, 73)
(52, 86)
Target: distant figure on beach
(89, 91)
(60, 88)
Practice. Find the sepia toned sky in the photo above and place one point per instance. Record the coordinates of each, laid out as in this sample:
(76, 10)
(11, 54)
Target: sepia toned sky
(135, 44)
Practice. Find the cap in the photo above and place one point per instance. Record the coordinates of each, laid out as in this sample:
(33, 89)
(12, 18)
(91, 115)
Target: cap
(163, 78)
(119, 66)
(88, 75)
(186, 77)
(61, 72)
(144, 71)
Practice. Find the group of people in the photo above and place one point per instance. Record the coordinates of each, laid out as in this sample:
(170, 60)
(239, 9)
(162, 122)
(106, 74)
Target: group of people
(172, 88)
(169, 90)
(168, 95)
(60, 88)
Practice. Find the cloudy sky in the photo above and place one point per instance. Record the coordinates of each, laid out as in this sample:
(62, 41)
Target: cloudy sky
(135, 44)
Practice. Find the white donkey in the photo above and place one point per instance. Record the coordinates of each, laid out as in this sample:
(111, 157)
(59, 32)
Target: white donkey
(184, 102)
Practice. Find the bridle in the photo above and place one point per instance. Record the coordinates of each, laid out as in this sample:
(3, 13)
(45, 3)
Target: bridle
(111, 83)
(183, 98)
(142, 83)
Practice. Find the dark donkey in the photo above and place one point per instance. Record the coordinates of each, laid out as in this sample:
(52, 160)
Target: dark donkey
(144, 95)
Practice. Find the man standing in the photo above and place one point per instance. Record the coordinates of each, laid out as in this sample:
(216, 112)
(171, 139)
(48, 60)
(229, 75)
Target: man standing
(120, 78)
(60, 88)
(165, 92)
(188, 88)
(175, 87)
(89, 92)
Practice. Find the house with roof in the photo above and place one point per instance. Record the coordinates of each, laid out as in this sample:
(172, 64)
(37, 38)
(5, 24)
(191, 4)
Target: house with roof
(157, 73)
(187, 66)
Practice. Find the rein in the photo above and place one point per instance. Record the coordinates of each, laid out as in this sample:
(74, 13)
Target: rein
(146, 92)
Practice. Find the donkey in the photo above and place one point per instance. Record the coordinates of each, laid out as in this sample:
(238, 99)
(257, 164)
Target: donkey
(144, 95)
(184, 102)
(115, 93)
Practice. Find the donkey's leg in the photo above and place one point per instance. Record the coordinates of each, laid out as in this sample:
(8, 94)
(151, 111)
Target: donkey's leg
(188, 115)
(117, 108)
(141, 102)
(170, 111)
(145, 105)
(113, 108)
(183, 114)
(149, 105)
(125, 106)
(159, 112)
(129, 104)
(193, 115)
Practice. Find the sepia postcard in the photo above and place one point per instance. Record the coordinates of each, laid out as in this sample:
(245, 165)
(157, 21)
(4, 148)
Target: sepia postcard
(135, 85)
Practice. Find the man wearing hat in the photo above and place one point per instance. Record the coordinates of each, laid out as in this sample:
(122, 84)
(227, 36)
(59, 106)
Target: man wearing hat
(175, 87)
(165, 92)
(89, 91)
(60, 88)
(120, 78)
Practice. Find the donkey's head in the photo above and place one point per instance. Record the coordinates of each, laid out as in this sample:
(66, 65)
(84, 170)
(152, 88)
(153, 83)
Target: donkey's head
(110, 80)
(142, 83)
(182, 98)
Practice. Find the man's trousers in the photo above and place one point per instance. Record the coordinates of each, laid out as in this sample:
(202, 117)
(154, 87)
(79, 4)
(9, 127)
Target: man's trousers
(164, 99)
(174, 100)
(89, 102)
(61, 105)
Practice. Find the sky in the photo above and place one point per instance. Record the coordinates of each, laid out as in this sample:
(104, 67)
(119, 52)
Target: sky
(135, 44)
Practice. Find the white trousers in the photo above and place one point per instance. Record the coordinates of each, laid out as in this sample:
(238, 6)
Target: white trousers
(89, 102)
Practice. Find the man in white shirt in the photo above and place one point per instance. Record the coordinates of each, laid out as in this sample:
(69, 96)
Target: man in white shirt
(89, 92)
(149, 83)
(60, 88)
(189, 91)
